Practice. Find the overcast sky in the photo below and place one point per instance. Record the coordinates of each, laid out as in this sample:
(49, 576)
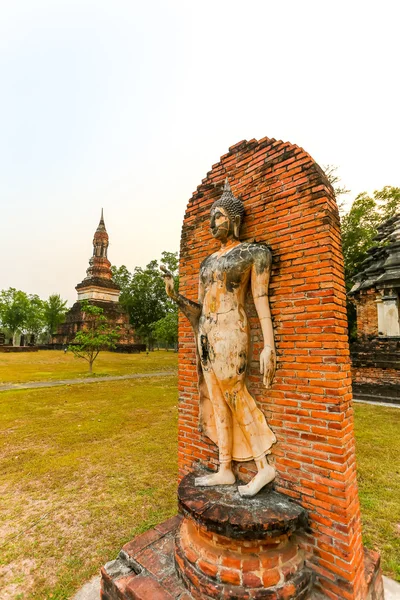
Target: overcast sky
(126, 105)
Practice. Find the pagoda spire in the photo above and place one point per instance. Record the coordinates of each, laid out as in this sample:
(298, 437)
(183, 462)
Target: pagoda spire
(100, 243)
(98, 283)
(102, 225)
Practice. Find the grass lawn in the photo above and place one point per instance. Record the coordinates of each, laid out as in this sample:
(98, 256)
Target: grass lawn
(85, 468)
(54, 364)
(378, 459)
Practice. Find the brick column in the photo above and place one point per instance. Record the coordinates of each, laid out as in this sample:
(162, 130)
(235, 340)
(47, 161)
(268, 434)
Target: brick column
(290, 206)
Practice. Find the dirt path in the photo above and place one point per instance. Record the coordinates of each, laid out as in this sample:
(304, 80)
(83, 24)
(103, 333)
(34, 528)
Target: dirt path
(44, 384)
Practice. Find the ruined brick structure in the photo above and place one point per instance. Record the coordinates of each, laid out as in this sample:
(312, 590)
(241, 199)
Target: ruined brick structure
(367, 314)
(290, 206)
(97, 288)
(376, 353)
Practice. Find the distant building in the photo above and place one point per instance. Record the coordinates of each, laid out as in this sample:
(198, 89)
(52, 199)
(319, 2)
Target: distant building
(377, 286)
(98, 288)
(376, 291)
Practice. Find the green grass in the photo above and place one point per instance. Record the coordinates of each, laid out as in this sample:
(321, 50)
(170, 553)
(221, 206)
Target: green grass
(83, 469)
(377, 431)
(54, 364)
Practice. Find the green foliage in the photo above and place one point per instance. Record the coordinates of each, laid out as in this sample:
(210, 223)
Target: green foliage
(96, 336)
(143, 293)
(14, 308)
(171, 261)
(54, 310)
(360, 226)
(34, 322)
(388, 199)
(28, 313)
(166, 329)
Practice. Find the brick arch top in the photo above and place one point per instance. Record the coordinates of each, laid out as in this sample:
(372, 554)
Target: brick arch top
(289, 205)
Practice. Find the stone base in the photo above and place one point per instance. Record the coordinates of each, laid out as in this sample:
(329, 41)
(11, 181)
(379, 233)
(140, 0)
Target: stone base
(373, 575)
(145, 570)
(223, 546)
(233, 547)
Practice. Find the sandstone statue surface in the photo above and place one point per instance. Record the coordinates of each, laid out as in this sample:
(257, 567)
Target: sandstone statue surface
(229, 414)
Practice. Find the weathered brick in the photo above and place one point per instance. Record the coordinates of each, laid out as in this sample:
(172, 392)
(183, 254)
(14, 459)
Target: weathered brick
(141, 541)
(146, 588)
(230, 576)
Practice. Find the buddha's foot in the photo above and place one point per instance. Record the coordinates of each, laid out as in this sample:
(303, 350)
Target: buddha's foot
(221, 478)
(266, 475)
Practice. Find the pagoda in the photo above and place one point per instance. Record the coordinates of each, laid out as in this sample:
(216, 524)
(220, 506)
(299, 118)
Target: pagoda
(98, 283)
(98, 288)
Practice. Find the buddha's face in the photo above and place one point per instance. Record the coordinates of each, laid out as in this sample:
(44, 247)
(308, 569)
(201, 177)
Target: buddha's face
(220, 224)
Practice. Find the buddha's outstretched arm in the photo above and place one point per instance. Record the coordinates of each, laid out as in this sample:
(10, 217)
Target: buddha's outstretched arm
(191, 310)
(260, 275)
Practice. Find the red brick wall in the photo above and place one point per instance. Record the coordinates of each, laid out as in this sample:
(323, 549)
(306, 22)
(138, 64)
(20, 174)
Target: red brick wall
(380, 376)
(367, 313)
(289, 205)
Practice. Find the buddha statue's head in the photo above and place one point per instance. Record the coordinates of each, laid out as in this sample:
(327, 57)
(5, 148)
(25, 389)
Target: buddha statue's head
(226, 215)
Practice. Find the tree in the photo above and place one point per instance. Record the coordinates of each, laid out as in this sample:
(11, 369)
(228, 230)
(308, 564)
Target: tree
(170, 260)
(95, 337)
(388, 199)
(14, 307)
(166, 329)
(359, 227)
(34, 322)
(335, 181)
(143, 293)
(54, 313)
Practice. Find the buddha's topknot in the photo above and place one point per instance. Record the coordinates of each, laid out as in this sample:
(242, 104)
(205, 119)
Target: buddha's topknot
(232, 205)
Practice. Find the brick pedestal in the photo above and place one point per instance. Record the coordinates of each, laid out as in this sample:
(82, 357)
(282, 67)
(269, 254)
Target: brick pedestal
(233, 547)
(145, 570)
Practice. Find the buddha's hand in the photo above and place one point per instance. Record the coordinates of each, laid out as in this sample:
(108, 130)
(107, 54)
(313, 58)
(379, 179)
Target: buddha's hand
(169, 282)
(268, 365)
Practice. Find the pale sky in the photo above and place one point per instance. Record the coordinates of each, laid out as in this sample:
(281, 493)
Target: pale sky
(126, 105)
